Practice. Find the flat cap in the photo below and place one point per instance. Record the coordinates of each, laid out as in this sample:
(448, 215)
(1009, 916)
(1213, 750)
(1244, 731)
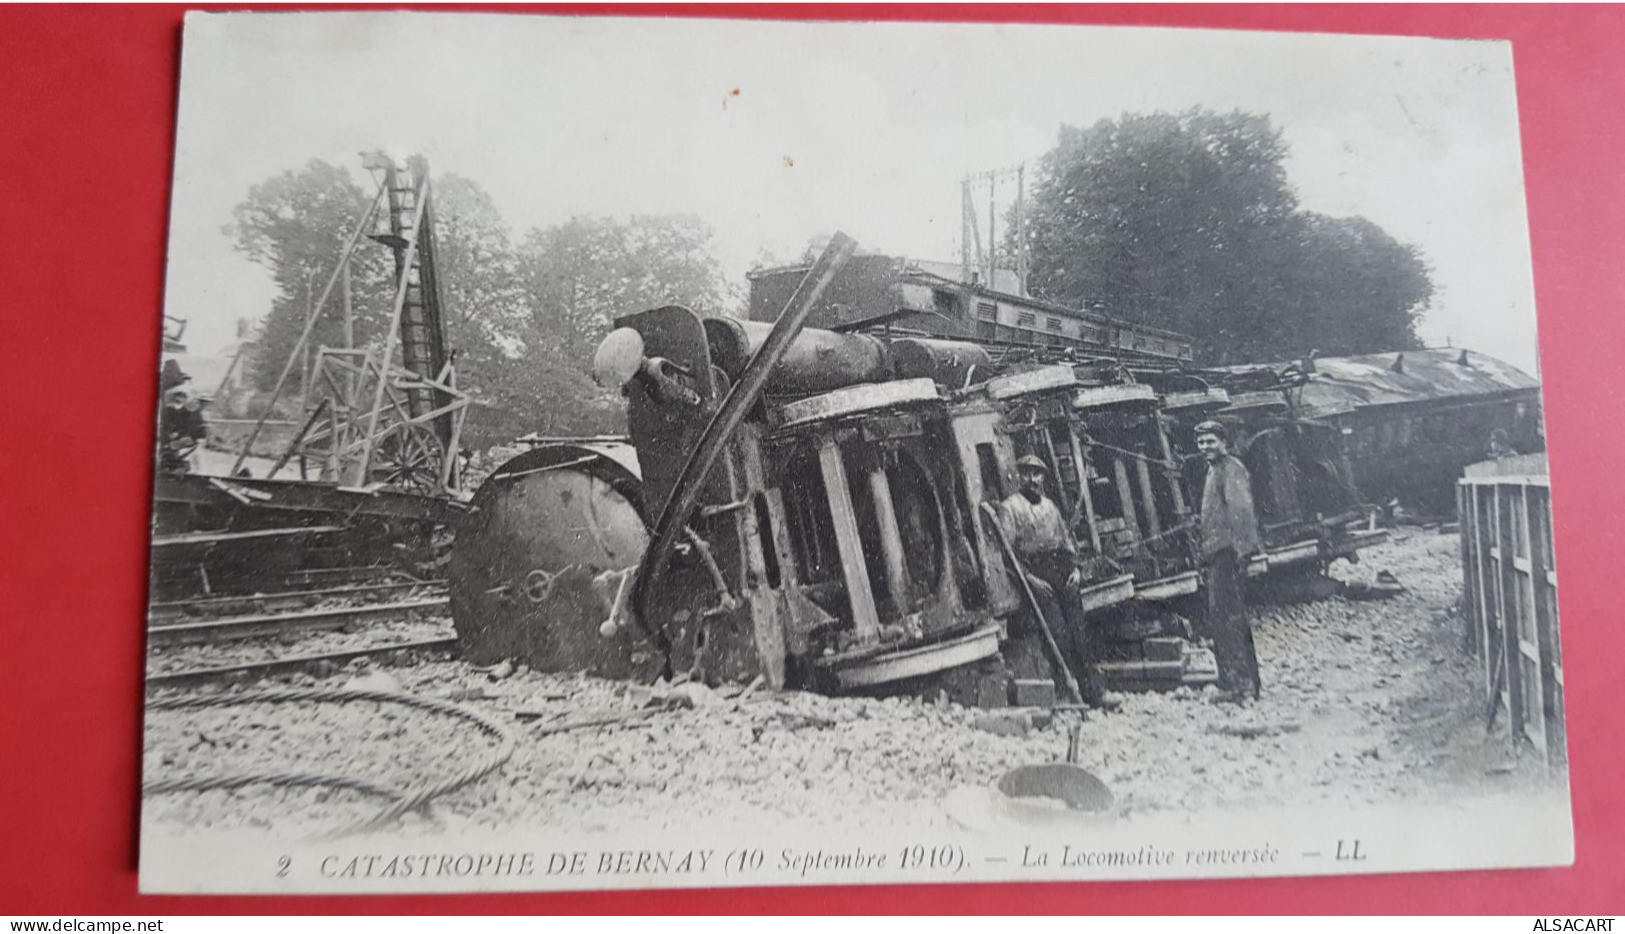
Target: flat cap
(1032, 462)
(1211, 427)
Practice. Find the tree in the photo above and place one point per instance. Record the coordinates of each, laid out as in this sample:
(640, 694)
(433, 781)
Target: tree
(578, 277)
(296, 225)
(1188, 222)
(523, 322)
(481, 298)
(483, 310)
(582, 274)
(1362, 290)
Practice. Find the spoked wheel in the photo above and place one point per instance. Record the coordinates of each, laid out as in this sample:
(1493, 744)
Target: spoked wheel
(409, 458)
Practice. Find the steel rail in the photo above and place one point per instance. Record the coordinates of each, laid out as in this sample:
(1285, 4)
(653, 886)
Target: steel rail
(293, 662)
(182, 609)
(359, 572)
(270, 624)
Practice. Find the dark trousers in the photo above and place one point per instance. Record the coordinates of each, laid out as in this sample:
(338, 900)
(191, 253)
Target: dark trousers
(1228, 625)
(1064, 612)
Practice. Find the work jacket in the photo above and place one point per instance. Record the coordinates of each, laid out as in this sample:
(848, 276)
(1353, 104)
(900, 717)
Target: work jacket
(1035, 528)
(1228, 517)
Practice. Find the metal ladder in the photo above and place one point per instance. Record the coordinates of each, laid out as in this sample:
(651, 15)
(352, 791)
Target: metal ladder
(422, 337)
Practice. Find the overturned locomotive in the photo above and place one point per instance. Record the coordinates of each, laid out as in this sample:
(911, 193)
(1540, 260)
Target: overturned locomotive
(834, 545)
(839, 543)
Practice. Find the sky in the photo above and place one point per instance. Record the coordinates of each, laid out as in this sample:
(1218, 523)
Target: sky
(776, 132)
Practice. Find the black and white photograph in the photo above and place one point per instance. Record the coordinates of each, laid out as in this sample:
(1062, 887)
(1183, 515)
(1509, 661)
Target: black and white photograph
(649, 452)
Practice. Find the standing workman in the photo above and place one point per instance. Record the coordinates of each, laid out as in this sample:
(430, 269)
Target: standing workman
(1038, 532)
(1230, 538)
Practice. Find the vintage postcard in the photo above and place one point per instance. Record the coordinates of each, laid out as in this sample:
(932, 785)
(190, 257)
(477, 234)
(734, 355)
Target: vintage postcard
(644, 452)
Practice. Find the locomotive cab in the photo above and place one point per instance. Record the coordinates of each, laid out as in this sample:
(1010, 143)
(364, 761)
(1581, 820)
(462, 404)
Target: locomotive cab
(880, 583)
(827, 548)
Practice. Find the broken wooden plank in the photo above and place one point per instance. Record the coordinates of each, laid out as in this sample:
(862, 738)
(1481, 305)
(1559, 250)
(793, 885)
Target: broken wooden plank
(209, 538)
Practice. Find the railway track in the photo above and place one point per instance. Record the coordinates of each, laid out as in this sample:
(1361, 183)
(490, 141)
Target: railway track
(175, 611)
(292, 662)
(276, 624)
(233, 623)
(173, 595)
(307, 577)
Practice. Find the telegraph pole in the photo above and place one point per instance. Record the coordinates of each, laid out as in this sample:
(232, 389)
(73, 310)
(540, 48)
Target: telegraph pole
(972, 255)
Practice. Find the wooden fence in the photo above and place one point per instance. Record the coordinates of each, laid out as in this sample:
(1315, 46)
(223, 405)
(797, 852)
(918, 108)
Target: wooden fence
(1511, 598)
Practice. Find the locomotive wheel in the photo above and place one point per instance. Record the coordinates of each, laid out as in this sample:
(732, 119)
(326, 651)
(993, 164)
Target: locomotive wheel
(409, 458)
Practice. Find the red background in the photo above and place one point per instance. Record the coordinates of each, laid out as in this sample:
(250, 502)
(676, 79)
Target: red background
(87, 109)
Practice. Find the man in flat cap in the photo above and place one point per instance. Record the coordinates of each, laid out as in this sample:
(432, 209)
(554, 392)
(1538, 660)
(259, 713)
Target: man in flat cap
(1038, 532)
(1229, 527)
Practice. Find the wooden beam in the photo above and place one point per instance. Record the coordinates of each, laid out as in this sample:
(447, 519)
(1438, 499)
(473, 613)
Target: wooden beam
(448, 457)
(1086, 495)
(891, 540)
(310, 322)
(859, 590)
(1150, 494)
(1171, 468)
(298, 439)
(1125, 495)
(1062, 497)
(210, 538)
(1506, 586)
